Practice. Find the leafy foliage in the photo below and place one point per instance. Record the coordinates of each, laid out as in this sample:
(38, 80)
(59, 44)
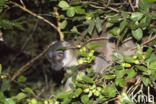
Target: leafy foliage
(25, 36)
(90, 89)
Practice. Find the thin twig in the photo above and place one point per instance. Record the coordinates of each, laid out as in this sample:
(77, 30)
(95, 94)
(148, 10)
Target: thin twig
(23, 3)
(138, 92)
(137, 4)
(1, 36)
(131, 5)
(113, 99)
(94, 39)
(146, 42)
(130, 38)
(134, 86)
(20, 70)
(41, 92)
(30, 36)
(59, 24)
(95, 5)
(39, 17)
(152, 39)
(23, 47)
(118, 4)
(113, 9)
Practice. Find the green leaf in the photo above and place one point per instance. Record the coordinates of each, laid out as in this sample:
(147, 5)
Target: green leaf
(9, 101)
(62, 95)
(79, 77)
(151, 1)
(109, 76)
(146, 81)
(75, 2)
(63, 5)
(153, 15)
(74, 29)
(0, 68)
(77, 92)
(21, 79)
(98, 24)
(152, 65)
(151, 31)
(144, 5)
(131, 73)
(82, 54)
(6, 24)
(2, 97)
(90, 102)
(98, 12)
(91, 26)
(20, 96)
(152, 58)
(79, 10)
(109, 91)
(84, 99)
(78, 18)
(114, 19)
(2, 3)
(5, 85)
(70, 12)
(76, 102)
(136, 16)
(33, 101)
(153, 43)
(153, 75)
(137, 34)
(72, 85)
(63, 24)
(108, 24)
(1, 9)
(81, 85)
(62, 16)
(28, 90)
(129, 59)
(125, 14)
(93, 45)
(148, 53)
(87, 79)
(115, 31)
(120, 73)
(122, 35)
(142, 68)
(144, 23)
(118, 67)
(132, 25)
(66, 101)
(120, 82)
(123, 25)
(19, 26)
(139, 52)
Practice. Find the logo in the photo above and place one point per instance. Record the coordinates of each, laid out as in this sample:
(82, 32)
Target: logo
(140, 97)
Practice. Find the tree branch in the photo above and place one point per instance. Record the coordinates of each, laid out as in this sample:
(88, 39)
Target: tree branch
(39, 17)
(58, 24)
(20, 70)
(131, 5)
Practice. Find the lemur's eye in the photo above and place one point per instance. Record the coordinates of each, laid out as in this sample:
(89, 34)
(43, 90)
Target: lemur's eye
(59, 56)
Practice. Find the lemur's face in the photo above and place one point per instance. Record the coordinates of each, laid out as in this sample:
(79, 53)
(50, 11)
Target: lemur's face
(56, 55)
